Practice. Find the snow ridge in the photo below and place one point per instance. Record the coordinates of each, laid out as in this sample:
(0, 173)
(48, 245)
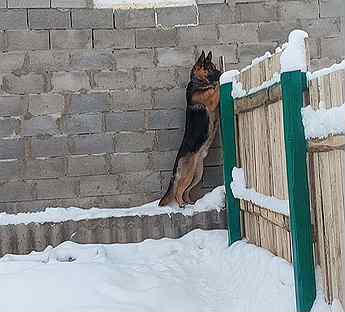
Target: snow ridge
(213, 200)
(238, 91)
(323, 122)
(326, 71)
(240, 191)
(228, 76)
(294, 56)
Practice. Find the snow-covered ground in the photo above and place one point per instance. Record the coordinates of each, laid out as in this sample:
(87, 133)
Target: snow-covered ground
(195, 273)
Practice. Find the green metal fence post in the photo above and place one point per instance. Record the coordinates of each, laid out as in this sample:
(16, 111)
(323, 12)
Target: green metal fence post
(229, 151)
(293, 86)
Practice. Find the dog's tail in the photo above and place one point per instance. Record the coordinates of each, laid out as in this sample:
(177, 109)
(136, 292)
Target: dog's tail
(169, 195)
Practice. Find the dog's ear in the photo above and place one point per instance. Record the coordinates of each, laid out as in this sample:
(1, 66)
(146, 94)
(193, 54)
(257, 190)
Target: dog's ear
(208, 58)
(201, 59)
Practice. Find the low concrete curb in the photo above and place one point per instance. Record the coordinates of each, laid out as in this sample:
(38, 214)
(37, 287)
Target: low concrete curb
(22, 238)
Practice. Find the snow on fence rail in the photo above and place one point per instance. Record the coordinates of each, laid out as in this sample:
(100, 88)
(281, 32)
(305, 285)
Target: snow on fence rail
(262, 109)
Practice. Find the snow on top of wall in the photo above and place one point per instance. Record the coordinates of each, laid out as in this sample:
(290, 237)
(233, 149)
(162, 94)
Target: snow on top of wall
(238, 91)
(211, 201)
(228, 76)
(135, 4)
(326, 71)
(240, 191)
(294, 55)
(323, 122)
(257, 60)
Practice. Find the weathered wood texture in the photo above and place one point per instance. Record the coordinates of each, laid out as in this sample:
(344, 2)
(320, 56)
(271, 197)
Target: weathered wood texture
(22, 239)
(328, 90)
(267, 229)
(261, 153)
(254, 76)
(327, 177)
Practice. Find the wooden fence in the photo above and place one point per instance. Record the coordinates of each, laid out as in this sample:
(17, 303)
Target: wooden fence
(327, 180)
(261, 153)
(270, 145)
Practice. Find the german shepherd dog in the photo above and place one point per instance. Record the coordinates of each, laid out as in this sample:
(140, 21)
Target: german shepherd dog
(202, 121)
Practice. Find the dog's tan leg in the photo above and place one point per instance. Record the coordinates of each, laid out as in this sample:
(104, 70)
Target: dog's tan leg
(186, 175)
(199, 170)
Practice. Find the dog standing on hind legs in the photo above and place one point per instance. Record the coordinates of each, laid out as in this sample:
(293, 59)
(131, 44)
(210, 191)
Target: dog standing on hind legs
(202, 122)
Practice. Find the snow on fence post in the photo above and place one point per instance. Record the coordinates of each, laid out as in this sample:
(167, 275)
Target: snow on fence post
(293, 81)
(229, 151)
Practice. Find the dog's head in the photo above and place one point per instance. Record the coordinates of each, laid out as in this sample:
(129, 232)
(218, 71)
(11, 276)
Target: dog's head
(204, 70)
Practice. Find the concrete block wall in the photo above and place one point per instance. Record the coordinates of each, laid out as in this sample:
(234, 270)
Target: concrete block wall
(92, 100)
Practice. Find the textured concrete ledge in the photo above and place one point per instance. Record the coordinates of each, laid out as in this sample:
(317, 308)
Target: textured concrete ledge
(22, 239)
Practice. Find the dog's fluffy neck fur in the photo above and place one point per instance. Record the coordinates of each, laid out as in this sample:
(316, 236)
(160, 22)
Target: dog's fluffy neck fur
(194, 85)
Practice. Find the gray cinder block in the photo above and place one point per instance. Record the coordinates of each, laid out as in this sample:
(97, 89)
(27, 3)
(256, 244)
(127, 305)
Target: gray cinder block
(156, 78)
(12, 62)
(125, 121)
(131, 162)
(27, 40)
(143, 181)
(170, 16)
(53, 60)
(41, 125)
(71, 39)
(70, 81)
(131, 99)
(166, 119)
(120, 79)
(82, 123)
(88, 103)
(30, 83)
(91, 144)
(203, 34)
(44, 168)
(287, 10)
(92, 18)
(134, 58)
(12, 149)
(13, 105)
(169, 98)
(49, 19)
(9, 127)
(49, 146)
(135, 141)
(13, 19)
(56, 188)
(92, 60)
(72, 4)
(13, 4)
(16, 191)
(86, 165)
(117, 39)
(155, 37)
(175, 56)
(137, 18)
(41, 104)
